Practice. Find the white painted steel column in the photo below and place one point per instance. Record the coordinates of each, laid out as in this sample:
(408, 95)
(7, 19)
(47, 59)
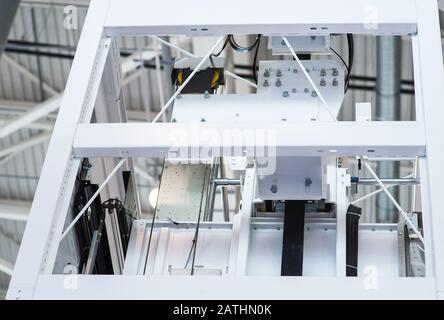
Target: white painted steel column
(429, 85)
(48, 213)
(342, 182)
(240, 241)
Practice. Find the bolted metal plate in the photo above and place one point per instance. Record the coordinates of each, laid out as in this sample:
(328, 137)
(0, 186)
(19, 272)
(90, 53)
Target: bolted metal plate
(182, 192)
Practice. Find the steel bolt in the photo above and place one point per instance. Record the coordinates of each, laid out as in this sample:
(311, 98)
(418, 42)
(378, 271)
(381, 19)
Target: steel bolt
(335, 82)
(273, 188)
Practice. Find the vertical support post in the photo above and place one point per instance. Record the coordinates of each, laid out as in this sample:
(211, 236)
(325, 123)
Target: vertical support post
(226, 204)
(209, 204)
(54, 192)
(342, 182)
(388, 109)
(429, 82)
(240, 241)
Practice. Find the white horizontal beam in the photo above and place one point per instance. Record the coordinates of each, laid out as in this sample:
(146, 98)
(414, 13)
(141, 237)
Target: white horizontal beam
(283, 17)
(83, 3)
(375, 139)
(14, 210)
(256, 288)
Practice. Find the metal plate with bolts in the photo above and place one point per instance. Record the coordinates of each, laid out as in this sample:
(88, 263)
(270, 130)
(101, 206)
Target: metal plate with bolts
(182, 191)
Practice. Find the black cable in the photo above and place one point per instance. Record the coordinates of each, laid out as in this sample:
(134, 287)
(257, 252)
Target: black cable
(227, 40)
(196, 233)
(351, 56)
(189, 254)
(255, 59)
(241, 49)
(346, 66)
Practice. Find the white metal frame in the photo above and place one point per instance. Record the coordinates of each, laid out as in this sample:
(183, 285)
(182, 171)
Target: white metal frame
(33, 278)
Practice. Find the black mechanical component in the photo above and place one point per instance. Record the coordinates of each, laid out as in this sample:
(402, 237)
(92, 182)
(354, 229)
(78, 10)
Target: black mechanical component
(269, 207)
(207, 79)
(293, 240)
(88, 224)
(122, 220)
(128, 209)
(352, 231)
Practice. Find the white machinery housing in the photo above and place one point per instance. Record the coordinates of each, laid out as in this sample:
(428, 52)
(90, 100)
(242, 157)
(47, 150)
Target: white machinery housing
(301, 249)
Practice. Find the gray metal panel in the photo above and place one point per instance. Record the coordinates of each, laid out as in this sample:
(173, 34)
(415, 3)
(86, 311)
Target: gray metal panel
(182, 192)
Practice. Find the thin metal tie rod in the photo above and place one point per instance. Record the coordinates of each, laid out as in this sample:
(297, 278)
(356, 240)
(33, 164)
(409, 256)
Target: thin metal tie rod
(95, 195)
(318, 92)
(396, 204)
(379, 190)
(235, 76)
(183, 51)
(196, 70)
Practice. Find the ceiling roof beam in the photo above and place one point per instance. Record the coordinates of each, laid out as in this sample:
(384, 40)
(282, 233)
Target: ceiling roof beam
(28, 74)
(14, 210)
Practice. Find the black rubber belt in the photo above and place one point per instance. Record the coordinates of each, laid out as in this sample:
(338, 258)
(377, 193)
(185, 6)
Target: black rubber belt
(352, 230)
(293, 241)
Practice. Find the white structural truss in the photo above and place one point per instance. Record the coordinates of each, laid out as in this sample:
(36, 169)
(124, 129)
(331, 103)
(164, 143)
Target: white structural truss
(76, 136)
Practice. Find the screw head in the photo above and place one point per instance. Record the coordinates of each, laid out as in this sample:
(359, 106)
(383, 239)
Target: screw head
(207, 95)
(273, 188)
(323, 72)
(266, 84)
(278, 73)
(314, 94)
(294, 90)
(285, 94)
(323, 82)
(335, 82)
(203, 120)
(306, 90)
(278, 82)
